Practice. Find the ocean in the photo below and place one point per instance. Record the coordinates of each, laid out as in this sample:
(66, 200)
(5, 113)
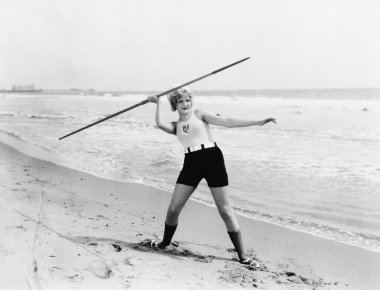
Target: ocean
(316, 171)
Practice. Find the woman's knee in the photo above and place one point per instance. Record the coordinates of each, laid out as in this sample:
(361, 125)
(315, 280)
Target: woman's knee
(174, 211)
(226, 213)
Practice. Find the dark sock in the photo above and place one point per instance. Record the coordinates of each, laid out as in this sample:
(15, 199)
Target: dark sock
(238, 244)
(168, 235)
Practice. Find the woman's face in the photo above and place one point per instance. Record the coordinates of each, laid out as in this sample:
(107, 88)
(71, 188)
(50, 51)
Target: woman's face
(184, 104)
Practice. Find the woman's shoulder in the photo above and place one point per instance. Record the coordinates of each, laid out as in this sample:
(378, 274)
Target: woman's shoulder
(199, 113)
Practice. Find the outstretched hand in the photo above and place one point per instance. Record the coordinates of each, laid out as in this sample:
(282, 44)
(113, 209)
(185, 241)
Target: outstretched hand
(273, 120)
(152, 99)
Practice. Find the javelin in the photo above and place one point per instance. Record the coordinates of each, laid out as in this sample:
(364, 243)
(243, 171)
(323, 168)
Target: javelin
(159, 95)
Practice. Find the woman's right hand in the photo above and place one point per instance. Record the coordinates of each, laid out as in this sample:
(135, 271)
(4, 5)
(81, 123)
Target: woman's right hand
(152, 99)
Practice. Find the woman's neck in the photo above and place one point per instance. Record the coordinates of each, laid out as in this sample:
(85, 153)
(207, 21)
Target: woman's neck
(183, 117)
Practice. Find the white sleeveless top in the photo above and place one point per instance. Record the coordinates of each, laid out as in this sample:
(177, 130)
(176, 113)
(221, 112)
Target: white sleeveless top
(193, 132)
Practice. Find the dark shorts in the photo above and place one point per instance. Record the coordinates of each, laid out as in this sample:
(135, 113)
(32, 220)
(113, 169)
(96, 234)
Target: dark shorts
(206, 163)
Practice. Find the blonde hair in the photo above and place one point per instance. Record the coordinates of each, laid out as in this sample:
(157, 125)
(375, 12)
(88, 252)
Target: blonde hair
(173, 97)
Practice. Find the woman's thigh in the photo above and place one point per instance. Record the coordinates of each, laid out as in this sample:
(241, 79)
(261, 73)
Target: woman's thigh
(180, 195)
(223, 203)
(221, 197)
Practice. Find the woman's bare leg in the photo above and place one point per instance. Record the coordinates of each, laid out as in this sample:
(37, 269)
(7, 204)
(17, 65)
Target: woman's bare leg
(180, 196)
(223, 203)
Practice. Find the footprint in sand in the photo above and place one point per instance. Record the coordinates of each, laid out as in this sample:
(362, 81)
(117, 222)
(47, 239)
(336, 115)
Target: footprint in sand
(111, 261)
(105, 248)
(100, 269)
(75, 278)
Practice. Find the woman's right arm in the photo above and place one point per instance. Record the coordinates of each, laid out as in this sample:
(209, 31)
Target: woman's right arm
(167, 127)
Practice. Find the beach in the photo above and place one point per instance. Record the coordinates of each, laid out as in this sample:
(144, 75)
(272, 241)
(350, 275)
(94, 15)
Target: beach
(66, 229)
(87, 173)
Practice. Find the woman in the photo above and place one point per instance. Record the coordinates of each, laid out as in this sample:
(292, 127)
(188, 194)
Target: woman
(203, 159)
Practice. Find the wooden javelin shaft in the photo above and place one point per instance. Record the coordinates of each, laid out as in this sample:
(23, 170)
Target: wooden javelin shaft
(159, 95)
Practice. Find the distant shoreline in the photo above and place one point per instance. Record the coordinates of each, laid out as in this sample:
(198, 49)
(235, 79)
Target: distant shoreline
(335, 93)
(76, 91)
(21, 91)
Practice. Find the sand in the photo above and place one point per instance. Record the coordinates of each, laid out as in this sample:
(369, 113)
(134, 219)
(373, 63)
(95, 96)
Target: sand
(65, 229)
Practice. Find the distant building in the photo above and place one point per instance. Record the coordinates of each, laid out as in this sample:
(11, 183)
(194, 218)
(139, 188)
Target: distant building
(24, 88)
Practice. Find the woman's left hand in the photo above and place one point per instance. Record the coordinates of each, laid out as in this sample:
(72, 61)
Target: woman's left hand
(273, 120)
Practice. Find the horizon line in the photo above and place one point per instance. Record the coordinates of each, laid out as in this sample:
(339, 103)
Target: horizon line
(88, 90)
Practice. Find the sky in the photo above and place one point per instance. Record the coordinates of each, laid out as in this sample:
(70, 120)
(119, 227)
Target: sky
(124, 45)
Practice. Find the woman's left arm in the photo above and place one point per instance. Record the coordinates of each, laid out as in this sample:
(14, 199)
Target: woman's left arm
(231, 122)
